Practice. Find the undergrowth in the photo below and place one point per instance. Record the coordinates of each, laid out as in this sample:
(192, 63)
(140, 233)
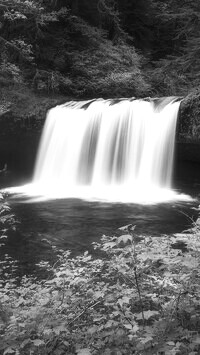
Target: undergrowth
(140, 297)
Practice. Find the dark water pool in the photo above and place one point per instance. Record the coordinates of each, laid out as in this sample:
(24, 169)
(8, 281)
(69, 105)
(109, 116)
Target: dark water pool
(74, 224)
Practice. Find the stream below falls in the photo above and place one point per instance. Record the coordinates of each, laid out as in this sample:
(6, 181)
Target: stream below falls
(101, 164)
(74, 223)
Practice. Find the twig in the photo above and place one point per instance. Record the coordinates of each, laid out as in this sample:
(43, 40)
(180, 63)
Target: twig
(80, 314)
(63, 293)
(134, 256)
(175, 309)
(185, 214)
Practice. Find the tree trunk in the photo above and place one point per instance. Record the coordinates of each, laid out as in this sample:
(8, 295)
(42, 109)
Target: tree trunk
(75, 6)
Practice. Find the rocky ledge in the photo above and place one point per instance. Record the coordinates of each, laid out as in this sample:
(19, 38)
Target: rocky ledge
(22, 117)
(188, 129)
(189, 118)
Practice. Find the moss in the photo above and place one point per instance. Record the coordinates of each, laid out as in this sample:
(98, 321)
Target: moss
(23, 110)
(189, 118)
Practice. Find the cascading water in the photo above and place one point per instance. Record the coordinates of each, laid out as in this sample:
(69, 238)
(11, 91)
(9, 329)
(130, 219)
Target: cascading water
(110, 150)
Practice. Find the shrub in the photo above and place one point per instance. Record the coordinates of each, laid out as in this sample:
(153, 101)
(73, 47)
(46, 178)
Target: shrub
(142, 295)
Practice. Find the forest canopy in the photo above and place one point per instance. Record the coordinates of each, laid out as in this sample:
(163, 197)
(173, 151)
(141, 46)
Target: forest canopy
(108, 48)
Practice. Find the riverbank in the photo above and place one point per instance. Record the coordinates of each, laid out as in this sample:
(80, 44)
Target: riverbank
(141, 296)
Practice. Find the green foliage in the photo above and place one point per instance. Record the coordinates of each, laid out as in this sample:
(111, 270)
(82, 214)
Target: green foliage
(103, 48)
(137, 19)
(176, 47)
(110, 69)
(24, 48)
(7, 219)
(166, 78)
(56, 51)
(10, 73)
(141, 297)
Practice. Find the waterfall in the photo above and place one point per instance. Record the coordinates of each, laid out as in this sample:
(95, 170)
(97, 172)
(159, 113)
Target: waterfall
(116, 150)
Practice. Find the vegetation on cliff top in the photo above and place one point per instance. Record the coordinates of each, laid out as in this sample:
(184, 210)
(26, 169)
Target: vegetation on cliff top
(96, 48)
(53, 51)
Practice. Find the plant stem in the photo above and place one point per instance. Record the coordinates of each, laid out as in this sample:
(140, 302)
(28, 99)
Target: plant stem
(139, 293)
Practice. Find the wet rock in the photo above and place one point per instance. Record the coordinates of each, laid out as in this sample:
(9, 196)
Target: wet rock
(188, 128)
(189, 118)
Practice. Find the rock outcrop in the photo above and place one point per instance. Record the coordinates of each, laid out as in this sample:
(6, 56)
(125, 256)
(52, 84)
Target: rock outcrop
(188, 128)
(22, 119)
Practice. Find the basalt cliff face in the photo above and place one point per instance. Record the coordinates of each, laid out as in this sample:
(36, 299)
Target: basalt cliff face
(29, 114)
(188, 129)
(21, 124)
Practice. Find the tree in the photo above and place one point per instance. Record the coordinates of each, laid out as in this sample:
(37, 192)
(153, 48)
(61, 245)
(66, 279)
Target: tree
(137, 20)
(176, 51)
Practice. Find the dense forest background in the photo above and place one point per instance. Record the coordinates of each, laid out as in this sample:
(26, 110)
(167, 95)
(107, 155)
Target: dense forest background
(98, 48)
